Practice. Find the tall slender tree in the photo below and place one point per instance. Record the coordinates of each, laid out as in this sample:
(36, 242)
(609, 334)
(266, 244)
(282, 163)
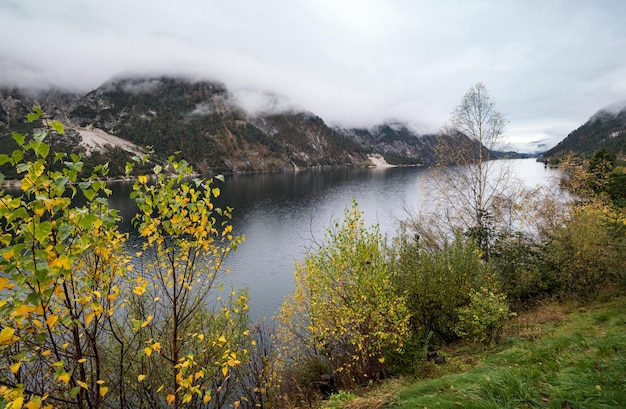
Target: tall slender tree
(467, 178)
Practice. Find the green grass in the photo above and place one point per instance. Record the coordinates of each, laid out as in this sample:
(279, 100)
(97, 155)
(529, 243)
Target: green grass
(559, 356)
(577, 360)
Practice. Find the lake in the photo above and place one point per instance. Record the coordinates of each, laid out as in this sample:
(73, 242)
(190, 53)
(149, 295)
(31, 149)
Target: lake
(282, 214)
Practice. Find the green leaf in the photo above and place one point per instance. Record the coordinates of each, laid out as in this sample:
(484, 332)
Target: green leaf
(128, 168)
(65, 230)
(35, 115)
(57, 126)
(17, 156)
(89, 194)
(215, 191)
(40, 135)
(87, 221)
(220, 178)
(19, 138)
(33, 298)
(4, 158)
(58, 156)
(19, 214)
(61, 181)
(22, 167)
(42, 230)
(157, 169)
(42, 149)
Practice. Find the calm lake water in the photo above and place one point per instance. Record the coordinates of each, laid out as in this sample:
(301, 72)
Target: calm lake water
(281, 214)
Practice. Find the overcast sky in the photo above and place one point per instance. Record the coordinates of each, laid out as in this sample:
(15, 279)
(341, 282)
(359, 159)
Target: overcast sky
(548, 64)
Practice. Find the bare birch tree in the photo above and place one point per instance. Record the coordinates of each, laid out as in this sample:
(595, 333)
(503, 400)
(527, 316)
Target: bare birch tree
(468, 180)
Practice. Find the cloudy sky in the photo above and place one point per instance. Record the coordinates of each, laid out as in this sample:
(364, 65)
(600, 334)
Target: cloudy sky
(548, 64)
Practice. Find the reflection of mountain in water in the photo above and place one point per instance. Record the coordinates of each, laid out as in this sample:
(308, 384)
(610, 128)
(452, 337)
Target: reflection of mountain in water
(283, 214)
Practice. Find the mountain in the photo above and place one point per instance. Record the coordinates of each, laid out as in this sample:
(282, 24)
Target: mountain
(396, 142)
(605, 129)
(204, 122)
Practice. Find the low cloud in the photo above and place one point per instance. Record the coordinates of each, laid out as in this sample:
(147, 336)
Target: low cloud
(354, 64)
(142, 86)
(203, 109)
(263, 102)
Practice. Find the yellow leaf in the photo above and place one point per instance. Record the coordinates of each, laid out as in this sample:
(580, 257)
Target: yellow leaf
(89, 317)
(6, 336)
(51, 320)
(141, 378)
(7, 255)
(23, 310)
(225, 370)
(64, 377)
(17, 402)
(82, 360)
(16, 367)
(146, 322)
(156, 346)
(4, 283)
(103, 390)
(82, 384)
(201, 337)
(35, 403)
(139, 290)
(170, 399)
(206, 399)
(222, 339)
(147, 351)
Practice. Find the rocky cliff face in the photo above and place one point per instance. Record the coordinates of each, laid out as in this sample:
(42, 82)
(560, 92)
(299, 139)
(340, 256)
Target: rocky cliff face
(397, 143)
(203, 122)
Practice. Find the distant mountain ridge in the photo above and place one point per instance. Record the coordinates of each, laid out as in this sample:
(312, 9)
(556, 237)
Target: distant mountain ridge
(605, 129)
(203, 121)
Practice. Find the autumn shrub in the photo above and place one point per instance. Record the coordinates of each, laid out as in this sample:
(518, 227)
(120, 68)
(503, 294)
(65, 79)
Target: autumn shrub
(344, 311)
(516, 260)
(61, 271)
(436, 283)
(86, 324)
(585, 254)
(484, 318)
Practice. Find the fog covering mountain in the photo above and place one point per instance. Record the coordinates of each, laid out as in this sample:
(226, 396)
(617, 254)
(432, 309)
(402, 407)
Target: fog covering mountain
(605, 129)
(206, 124)
(203, 122)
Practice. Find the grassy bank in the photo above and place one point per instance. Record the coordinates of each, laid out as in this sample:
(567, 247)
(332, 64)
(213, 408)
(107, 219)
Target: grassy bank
(557, 356)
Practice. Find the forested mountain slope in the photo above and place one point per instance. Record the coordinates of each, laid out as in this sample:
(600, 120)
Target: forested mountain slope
(605, 129)
(203, 121)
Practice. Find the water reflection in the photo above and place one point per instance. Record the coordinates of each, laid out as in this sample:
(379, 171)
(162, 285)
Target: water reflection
(282, 214)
